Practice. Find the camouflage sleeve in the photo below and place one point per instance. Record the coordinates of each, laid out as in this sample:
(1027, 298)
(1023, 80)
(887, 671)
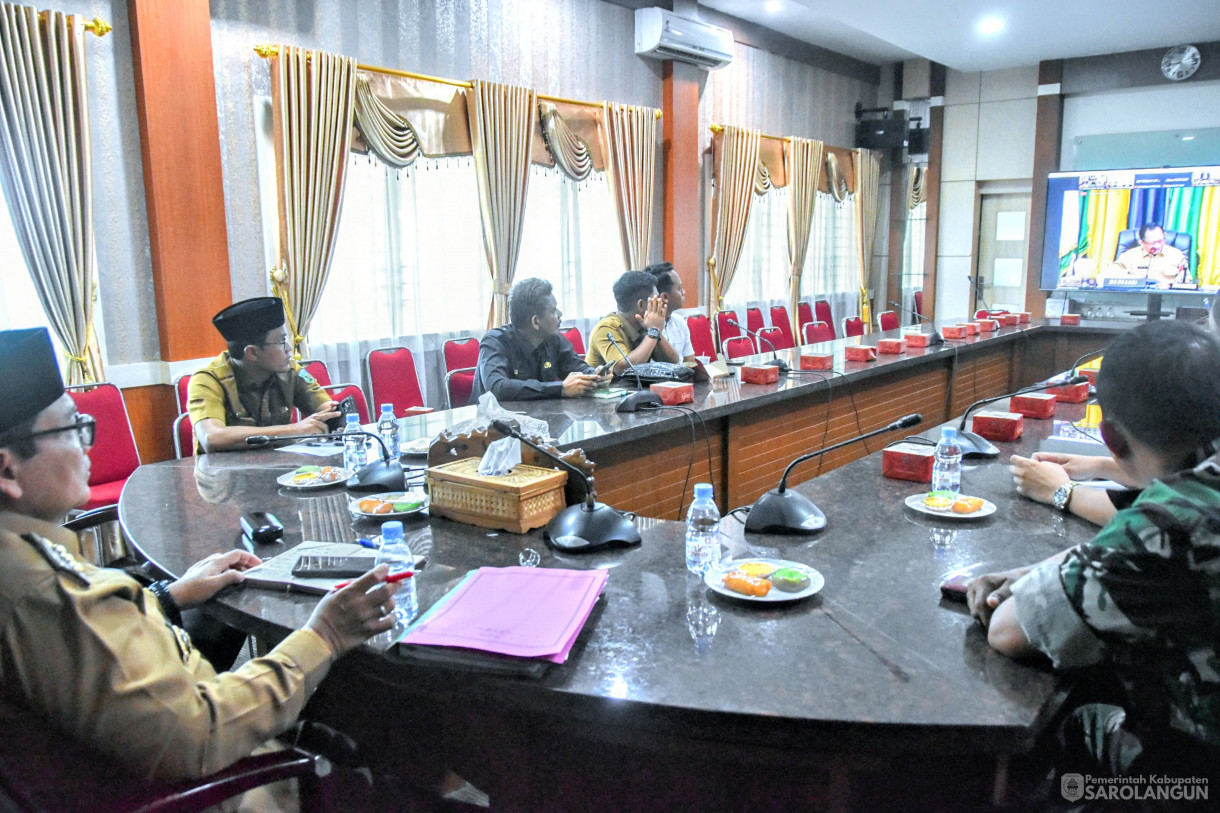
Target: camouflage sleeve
(1050, 622)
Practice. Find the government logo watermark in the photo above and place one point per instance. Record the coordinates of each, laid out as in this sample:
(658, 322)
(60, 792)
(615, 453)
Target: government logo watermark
(1074, 787)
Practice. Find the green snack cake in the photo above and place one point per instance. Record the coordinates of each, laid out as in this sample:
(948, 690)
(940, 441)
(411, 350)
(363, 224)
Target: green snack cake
(790, 580)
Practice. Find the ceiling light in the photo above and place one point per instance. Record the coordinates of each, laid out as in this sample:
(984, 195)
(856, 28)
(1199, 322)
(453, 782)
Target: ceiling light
(1188, 138)
(991, 25)
(773, 6)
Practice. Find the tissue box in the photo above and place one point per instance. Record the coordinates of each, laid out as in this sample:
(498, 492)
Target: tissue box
(1034, 405)
(1023, 317)
(908, 461)
(891, 347)
(917, 339)
(759, 374)
(817, 361)
(953, 331)
(1003, 426)
(1071, 394)
(988, 326)
(1007, 319)
(674, 392)
(525, 498)
(1070, 319)
(860, 352)
(972, 328)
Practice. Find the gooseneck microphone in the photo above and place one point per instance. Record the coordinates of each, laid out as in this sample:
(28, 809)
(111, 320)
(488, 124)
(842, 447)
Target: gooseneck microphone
(973, 445)
(775, 361)
(589, 526)
(781, 511)
(1074, 369)
(385, 474)
(644, 399)
(934, 337)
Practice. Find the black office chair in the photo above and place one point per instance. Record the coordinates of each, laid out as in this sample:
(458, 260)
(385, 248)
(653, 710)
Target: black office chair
(1183, 242)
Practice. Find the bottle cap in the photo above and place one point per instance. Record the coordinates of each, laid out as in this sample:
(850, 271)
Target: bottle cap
(391, 531)
(353, 418)
(703, 491)
(949, 432)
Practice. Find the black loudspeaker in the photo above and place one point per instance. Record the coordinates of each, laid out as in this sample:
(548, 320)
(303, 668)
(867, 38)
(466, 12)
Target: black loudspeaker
(917, 141)
(882, 134)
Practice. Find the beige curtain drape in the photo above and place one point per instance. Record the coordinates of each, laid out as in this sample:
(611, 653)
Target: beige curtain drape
(630, 135)
(803, 157)
(46, 171)
(735, 179)
(917, 176)
(569, 150)
(868, 181)
(313, 95)
(501, 124)
(390, 136)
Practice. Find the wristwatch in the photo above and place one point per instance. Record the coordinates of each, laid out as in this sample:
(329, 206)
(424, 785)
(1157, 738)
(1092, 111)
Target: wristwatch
(1063, 496)
(653, 333)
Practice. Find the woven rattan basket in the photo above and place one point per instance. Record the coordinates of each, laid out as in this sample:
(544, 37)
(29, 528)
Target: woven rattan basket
(524, 499)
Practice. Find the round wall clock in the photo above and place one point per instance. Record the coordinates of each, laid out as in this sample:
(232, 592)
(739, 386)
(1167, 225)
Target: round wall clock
(1180, 62)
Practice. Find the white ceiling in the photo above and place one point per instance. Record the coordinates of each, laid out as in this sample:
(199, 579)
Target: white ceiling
(946, 31)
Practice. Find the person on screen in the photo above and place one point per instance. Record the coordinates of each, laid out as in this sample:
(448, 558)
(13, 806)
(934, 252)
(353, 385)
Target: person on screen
(1139, 600)
(528, 358)
(636, 326)
(1153, 259)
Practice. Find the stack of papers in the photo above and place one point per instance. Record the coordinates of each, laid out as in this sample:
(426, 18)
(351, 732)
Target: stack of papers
(526, 612)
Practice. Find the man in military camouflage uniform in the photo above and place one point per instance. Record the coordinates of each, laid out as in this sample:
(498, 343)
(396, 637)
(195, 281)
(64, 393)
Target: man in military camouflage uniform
(252, 387)
(1141, 600)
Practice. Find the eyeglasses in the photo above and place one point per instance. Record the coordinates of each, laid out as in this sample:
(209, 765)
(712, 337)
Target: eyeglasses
(83, 425)
(284, 343)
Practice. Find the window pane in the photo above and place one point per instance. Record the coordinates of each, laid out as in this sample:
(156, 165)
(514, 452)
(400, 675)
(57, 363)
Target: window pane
(762, 271)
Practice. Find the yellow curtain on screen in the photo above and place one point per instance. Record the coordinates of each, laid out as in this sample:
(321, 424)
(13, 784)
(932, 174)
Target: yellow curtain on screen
(1107, 217)
(1209, 237)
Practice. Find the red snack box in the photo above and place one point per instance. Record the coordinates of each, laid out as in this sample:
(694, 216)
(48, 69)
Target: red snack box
(817, 361)
(1071, 394)
(1089, 373)
(1002, 426)
(1007, 319)
(860, 352)
(676, 392)
(972, 328)
(1023, 318)
(917, 339)
(1070, 319)
(953, 331)
(908, 461)
(759, 374)
(1034, 405)
(988, 326)
(891, 347)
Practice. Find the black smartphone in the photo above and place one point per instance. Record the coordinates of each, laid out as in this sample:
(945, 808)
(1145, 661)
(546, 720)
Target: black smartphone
(333, 567)
(261, 527)
(346, 407)
(605, 368)
(954, 588)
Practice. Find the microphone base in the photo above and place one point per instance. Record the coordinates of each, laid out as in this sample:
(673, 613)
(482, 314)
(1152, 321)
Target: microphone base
(780, 363)
(577, 529)
(383, 475)
(784, 512)
(935, 338)
(973, 445)
(644, 399)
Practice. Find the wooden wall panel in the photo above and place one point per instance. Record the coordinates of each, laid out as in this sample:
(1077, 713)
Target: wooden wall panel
(980, 375)
(152, 411)
(648, 477)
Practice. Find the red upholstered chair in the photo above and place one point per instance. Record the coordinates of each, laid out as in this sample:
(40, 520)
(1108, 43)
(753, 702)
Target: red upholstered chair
(888, 320)
(853, 326)
(754, 320)
(818, 332)
(184, 437)
(780, 320)
(572, 334)
(340, 391)
(725, 331)
(778, 338)
(919, 302)
(804, 313)
(821, 312)
(317, 368)
(739, 347)
(114, 455)
(461, 358)
(701, 340)
(181, 384)
(984, 313)
(392, 379)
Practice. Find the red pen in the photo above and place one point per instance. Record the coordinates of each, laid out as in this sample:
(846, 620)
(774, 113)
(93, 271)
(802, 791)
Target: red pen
(390, 579)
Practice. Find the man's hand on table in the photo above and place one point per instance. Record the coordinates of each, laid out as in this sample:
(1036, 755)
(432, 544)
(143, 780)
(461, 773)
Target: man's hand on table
(580, 383)
(209, 576)
(989, 591)
(1037, 479)
(347, 618)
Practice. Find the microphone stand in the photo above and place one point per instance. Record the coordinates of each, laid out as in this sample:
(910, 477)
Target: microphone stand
(776, 361)
(974, 445)
(781, 511)
(644, 399)
(385, 474)
(934, 337)
(586, 527)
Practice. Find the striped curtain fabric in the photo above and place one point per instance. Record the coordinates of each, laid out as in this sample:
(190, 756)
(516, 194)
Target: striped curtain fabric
(804, 159)
(731, 202)
(631, 138)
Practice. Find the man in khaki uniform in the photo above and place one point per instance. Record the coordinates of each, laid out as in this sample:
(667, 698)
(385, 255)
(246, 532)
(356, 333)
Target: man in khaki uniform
(101, 657)
(1152, 259)
(636, 326)
(252, 387)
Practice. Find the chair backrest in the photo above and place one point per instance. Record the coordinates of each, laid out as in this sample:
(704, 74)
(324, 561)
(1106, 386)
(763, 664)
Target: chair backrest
(572, 334)
(181, 385)
(701, 340)
(778, 338)
(340, 391)
(919, 302)
(725, 331)
(114, 455)
(739, 346)
(461, 357)
(984, 313)
(821, 312)
(754, 319)
(184, 437)
(804, 313)
(317, 368)
(888, 320)
(853, 326)
(780, 320)
(392, 379)
(818, 332)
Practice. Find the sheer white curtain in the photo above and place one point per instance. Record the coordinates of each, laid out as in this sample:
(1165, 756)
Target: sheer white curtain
(19, 303)
(761, 279)
(832, 264)
(912, 259)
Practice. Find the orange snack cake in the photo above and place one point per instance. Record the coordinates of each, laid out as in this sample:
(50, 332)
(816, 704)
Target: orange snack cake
(967, 505)
(995, 425)
(891, 347)
(747, 585)
(759, 374)
(937, 502)
(817, 361)
(860, 352)
(908, 461)
(674, 392)
(1034, 404)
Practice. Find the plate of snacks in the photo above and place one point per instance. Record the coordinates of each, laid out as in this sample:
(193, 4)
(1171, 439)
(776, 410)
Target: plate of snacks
(960, 507)
(314, 477)
(416, 448)
(764, 580)
(389, 505)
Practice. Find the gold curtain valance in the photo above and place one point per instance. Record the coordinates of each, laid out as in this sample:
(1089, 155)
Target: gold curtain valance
(917, 179)
(772, 172)
(762, 180)
(389, 135)
(838, 176)
(569, 151)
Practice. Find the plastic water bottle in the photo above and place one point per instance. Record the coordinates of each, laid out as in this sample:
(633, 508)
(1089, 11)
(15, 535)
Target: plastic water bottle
(397, 555)
(702, 531)
(387, 428)
(353, 444)
(947, 469)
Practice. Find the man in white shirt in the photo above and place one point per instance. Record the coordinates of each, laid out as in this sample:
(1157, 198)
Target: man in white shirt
(673, 295)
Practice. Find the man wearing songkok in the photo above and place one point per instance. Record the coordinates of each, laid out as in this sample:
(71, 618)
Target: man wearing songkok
(104, 659)
(636, 326)
(1141, 600)
(528, 358)
(251, 388)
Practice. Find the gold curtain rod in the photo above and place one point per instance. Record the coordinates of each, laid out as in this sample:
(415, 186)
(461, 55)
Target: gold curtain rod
(268, 51)
(99, 27)
(717, 128)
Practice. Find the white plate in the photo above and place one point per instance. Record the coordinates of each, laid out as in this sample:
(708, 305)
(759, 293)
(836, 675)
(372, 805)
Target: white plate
(416, 448)
(714, 579)
(285, 480)
(390, 496)
(915, 502)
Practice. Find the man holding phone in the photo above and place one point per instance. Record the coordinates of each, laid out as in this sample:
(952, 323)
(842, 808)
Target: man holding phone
(251, 388)
(528, 359)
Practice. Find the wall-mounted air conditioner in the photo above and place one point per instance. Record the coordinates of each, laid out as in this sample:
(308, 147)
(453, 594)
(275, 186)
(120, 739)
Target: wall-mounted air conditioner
(661, 34)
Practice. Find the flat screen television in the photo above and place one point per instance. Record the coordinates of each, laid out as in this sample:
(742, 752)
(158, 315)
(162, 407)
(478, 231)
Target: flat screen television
(1133, 230)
